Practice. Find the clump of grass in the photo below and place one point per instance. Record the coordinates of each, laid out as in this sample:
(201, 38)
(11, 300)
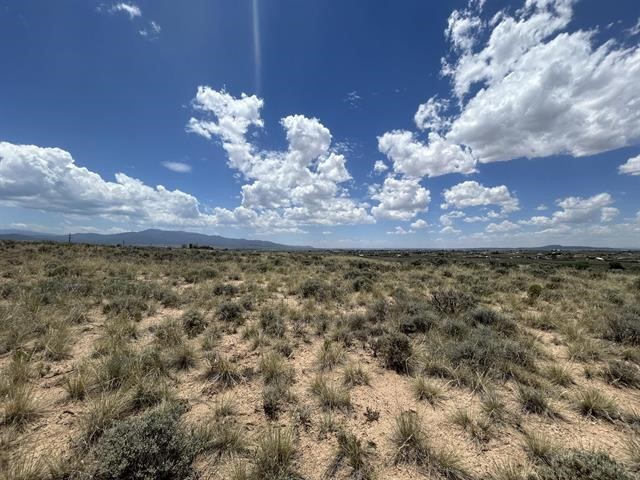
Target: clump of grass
(222, 436)
(354, 374)
(274, 395)
(534, 400)
(479, 428)
(330, 395)
(423, 389)
(19, 406)
(274, 455)
(56, 342)
(584, 349)
(330, 355)
(512, 471)
(622, 374)
(102, 412)
(493, 407)
(182, 357)
(538, 446)
(274, 368)
(223, 371)
(559, 375)
(76, 384)
(451, 301)
(224, 407)
(596, 404)
(356, 454)
(633, 452)
(412, 446)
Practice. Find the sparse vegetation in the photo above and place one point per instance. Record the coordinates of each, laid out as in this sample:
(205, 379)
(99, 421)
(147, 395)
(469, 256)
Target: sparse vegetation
(254, 365)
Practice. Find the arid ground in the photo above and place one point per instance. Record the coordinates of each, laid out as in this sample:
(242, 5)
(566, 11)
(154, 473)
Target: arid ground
(124, 362)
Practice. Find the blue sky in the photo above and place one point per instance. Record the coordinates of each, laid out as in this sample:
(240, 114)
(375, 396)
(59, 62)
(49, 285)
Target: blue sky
(363, 124)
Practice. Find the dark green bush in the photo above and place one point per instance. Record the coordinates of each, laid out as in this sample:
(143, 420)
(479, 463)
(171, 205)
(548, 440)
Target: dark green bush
(395, 350)
(193, 323)
(534, 291)
(152, 446)
(230, 311)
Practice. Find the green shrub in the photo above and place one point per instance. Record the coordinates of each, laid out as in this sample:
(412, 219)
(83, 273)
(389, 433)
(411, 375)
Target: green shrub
(534, 291)
(151, 446)
(272, 323)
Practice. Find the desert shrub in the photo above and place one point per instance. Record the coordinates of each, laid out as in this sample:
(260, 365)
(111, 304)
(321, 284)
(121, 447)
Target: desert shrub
(622, 374)
(492, 319)
(417, 317)
(534, 291)
(102, 412)
(169, 333)
(624, 327)
(199, 275)
(574, 464)
(129, 306)
(362, 284)
(154, 445)
(272, 323)
(395, 349)
(225, 289)
(615, 265)
(193, 322)
(484, 352)
(230, 311)
(450, 301)
(317, 289)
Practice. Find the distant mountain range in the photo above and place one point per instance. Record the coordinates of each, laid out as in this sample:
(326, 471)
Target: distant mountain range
(151, 237)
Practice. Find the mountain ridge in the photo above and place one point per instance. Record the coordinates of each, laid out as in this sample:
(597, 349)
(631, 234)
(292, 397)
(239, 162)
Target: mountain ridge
(152, 237)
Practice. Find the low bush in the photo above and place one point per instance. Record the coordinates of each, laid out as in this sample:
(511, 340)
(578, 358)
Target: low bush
(581, 464)
(395, 350)
(193, 323)
(154, 445)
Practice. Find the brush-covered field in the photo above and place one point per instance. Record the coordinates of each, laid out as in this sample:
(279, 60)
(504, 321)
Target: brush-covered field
(150, 363)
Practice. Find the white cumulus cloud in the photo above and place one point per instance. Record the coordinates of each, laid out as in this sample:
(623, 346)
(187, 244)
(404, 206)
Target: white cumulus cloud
(473, 194)
(631, 166)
